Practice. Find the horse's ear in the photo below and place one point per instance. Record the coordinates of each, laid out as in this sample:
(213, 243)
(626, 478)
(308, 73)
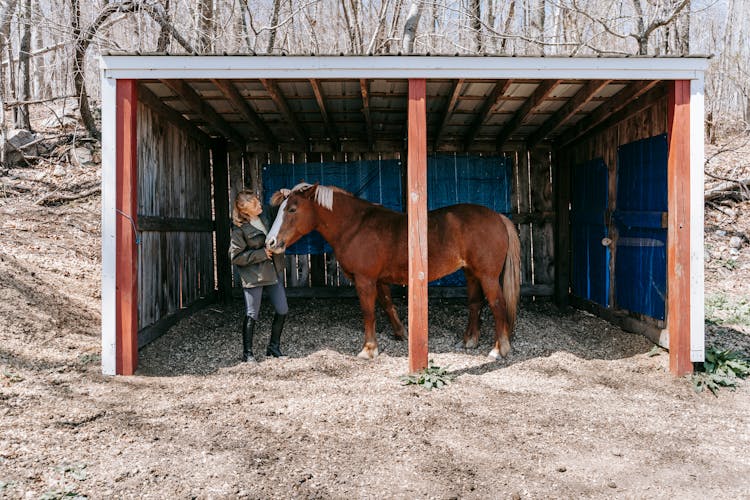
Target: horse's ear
(310, 190)
(279, 196)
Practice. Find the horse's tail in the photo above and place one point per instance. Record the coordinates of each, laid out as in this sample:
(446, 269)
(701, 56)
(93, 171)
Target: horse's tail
(512, 273)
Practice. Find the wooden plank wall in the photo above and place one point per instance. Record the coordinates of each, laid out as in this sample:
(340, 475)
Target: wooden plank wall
(175, 266)
(604, 143)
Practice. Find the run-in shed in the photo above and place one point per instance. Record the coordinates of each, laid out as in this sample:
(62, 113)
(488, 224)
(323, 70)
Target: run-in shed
(599, 161)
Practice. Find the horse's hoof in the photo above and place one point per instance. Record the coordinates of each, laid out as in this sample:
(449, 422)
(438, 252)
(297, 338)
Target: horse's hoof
(495, 354)
(368, 354)
(472, 343)
(460, 346)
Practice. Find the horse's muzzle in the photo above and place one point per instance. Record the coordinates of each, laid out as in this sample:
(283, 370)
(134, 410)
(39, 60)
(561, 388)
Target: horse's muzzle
(275, 246)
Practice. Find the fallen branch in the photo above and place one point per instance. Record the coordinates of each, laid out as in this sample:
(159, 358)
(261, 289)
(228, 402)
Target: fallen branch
(54, 198)
(732, 189)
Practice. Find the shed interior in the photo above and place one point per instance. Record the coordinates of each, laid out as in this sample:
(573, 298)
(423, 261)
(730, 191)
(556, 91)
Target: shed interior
(201, 140)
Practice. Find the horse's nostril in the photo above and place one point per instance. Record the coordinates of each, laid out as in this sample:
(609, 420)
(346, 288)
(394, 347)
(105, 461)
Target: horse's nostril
(270, 243)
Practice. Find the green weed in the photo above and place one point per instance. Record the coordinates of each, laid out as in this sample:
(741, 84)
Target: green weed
(432, 377)
(721, 369)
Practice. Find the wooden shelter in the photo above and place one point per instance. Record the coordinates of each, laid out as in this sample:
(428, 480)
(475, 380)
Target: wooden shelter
(605, 155)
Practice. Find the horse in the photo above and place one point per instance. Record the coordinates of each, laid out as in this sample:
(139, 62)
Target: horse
(370, 243)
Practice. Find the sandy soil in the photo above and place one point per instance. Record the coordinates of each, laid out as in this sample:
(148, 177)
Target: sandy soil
(579, 409)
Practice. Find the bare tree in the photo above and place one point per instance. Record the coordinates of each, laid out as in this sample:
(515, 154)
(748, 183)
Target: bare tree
(410, 26)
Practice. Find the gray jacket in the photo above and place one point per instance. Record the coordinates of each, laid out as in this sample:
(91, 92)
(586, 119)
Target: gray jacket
(247, 252)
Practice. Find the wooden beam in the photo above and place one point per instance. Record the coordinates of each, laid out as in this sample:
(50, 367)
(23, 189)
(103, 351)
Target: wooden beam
(497, 93)
(458, 85)
(568, 110)
(539, 95)
(561, 188)
(277, 96)
(678, 233)
(365, 90)
(606, 109)
(204, 110)
(221, 209)
(245, 110)
(327, 122)
(645, 101)
(126, 205)
(417, 216)
(174, 224)
(148, 98)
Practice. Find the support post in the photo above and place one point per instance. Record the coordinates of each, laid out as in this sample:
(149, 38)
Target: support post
(678, 233)
(561, 193)
(417, 216)
(221, 209)
(126, 206)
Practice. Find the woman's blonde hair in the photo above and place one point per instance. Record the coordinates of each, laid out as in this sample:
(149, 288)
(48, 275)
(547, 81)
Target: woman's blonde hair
(244, 196)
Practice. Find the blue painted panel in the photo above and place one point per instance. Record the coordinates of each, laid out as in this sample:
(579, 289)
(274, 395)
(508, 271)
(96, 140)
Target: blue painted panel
(641, 266)
(481, 180)
(378, 181)
(589, 258)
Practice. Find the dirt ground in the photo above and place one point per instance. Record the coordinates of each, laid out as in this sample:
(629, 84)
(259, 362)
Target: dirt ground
(579, 408)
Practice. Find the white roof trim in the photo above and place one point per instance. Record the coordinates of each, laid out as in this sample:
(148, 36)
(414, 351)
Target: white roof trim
(236, 67)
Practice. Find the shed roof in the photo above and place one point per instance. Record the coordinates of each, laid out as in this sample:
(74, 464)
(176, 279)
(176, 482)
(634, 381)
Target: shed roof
(332, 103)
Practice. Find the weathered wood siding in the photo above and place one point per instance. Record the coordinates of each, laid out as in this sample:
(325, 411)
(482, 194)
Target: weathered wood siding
(176, 254)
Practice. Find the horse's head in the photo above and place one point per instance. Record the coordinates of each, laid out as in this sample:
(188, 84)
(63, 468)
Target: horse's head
(296, 216)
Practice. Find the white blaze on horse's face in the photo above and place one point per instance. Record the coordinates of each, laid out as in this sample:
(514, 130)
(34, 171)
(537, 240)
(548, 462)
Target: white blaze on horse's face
(273, 234)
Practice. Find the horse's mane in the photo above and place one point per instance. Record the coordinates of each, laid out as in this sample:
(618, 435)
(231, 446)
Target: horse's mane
(323, 194)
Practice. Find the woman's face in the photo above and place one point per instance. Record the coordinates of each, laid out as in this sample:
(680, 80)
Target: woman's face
(252, 207)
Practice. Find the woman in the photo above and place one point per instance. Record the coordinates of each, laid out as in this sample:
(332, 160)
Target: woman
(258, 269)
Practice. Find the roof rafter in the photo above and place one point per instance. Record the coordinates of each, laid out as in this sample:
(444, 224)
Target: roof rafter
(365, 90)
(607, 109)
(327, 122)
(152, 101)
(539, 95)
(568, 110)
(457, 87)
(280, 101)
(204, 110)
(244, 109)
(497, 92)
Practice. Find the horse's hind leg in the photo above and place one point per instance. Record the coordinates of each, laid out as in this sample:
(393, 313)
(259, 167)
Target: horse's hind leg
(367, 290)
(476, 301)
(493, 292)
(384, 297)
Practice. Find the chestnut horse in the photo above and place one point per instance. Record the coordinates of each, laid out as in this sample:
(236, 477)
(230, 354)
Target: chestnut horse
(370, 243)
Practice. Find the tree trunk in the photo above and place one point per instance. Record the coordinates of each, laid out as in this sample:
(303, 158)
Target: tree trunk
(476, 24)
(162, 45)
(274, 27)
(410, 26)
(206, 26)
(24, 75)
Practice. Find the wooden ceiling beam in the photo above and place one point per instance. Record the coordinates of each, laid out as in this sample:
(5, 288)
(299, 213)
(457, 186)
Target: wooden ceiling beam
(540, 94)
(280, 101)
(244, 109)
(364, 88)
(154, 103)
(606, 109)
(457, 87)
(204, 110)
(328, 124)
(497, 93)
(568, 110)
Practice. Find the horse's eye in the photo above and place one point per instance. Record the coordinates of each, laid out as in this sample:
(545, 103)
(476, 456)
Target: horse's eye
(292, 210)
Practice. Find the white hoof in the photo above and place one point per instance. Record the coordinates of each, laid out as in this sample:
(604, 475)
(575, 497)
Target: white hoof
(368, 354)
(495, 354)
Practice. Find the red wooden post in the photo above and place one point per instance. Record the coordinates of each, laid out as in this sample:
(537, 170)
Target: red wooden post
(678, 234)
(417, 214)
(126, 204)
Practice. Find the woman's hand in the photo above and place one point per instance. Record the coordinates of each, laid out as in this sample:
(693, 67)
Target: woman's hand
(269, 253)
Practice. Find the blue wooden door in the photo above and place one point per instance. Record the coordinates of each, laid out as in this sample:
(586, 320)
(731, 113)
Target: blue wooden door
(641, 262)
(589, 258)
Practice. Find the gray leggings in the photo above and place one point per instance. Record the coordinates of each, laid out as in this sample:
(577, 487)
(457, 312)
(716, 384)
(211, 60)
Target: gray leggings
(276, 294)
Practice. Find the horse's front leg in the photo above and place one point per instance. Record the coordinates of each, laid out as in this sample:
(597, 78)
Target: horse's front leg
(367, 291)
(384, 297)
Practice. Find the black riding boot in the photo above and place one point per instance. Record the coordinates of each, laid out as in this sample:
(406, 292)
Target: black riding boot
(248, 328)
(274, 346)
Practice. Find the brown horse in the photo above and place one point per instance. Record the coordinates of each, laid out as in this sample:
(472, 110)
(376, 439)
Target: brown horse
(370, 243)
